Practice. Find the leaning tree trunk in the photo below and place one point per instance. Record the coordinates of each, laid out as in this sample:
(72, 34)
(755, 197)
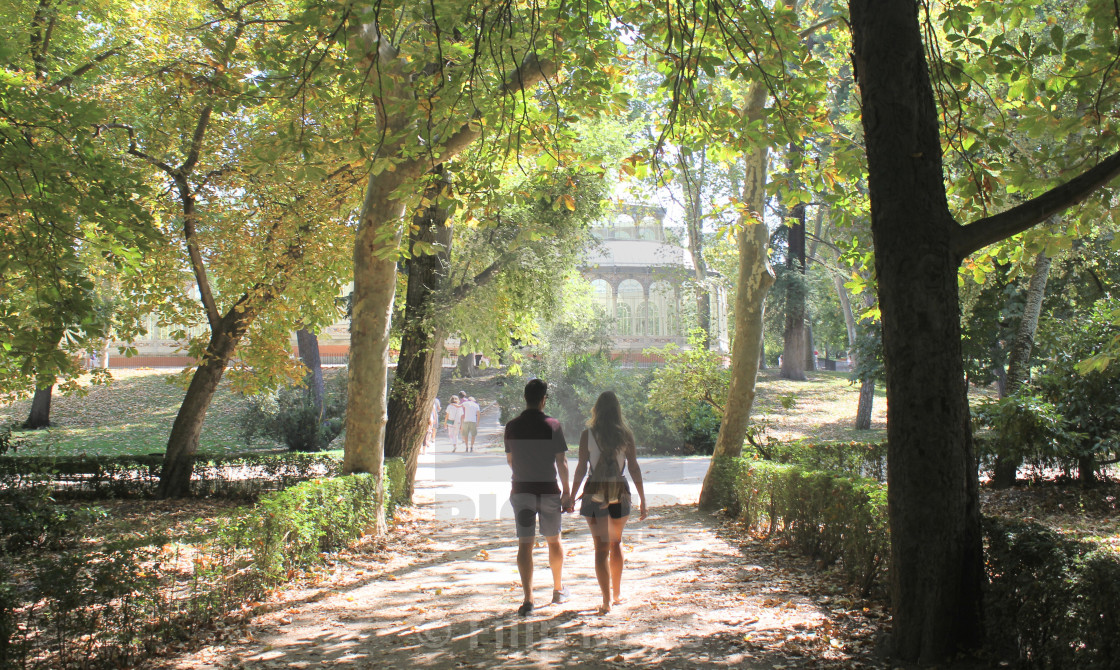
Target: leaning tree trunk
(40, 415)
(416, 382)
(182, 444)
(936, 545)
(755, 279)
(1018, 364)
(793, 353)
(308, 346)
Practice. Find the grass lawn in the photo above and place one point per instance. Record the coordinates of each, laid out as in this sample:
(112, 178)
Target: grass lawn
(823, 408)
(133, 415)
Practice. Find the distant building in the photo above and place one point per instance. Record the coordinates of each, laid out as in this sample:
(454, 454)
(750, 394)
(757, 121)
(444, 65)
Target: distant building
(638, 275)
(639, 279)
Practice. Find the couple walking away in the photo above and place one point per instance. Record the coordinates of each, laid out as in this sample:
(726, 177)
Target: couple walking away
(537, 452)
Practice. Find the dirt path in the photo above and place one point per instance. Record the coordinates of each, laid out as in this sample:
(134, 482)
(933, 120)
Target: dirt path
(448, 599)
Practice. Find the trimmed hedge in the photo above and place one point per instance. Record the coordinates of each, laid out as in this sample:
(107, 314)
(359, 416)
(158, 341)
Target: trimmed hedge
(831, 518)
(113, 605)
(1051, 602)
(233, 475)
(851, 459)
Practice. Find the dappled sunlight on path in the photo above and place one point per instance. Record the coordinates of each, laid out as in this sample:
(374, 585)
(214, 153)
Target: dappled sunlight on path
(692, 600)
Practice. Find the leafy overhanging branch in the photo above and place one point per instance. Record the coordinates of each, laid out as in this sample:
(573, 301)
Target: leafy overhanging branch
(992, 229)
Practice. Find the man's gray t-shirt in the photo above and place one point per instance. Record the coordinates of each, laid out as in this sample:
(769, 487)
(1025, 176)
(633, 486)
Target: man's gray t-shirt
(533, 440)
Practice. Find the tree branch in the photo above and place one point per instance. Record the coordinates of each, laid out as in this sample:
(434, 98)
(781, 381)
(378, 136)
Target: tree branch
(196, 139)
(992, 229)
(97, 60)
(531, 72)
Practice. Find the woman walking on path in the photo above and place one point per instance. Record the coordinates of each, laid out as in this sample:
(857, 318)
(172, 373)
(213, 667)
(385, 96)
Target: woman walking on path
(454, 419)
(605, 449)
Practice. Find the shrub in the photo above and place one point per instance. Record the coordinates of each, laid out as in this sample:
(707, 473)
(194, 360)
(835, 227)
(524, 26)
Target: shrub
(851, 459)
(831, 518)
(229, 475)
(1051, 602)
(292, 529)
(108, 606)
(289, 416)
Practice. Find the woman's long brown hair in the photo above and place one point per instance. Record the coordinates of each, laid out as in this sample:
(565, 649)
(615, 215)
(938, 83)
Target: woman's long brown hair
(611, 430)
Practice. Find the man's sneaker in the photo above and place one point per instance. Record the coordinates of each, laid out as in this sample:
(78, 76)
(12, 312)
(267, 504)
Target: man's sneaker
(560, 596)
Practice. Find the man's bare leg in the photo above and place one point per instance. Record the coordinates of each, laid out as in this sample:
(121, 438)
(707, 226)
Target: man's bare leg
(525, 568)
(556, 561)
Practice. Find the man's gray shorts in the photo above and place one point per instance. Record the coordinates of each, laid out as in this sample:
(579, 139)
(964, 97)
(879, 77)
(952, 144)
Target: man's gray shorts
(528, 506)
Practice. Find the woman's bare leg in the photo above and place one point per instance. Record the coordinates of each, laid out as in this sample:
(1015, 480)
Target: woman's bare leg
(615, 531)
(602, 552)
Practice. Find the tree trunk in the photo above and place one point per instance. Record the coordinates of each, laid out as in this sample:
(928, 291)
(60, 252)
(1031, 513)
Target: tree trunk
(1018, 364)
(308, 345)
(182, 443)
(936, 551)
(810, 357)
(106, 348)
(762, 354)
(793, 353)
(375, 281)
(416, 382)
(40, 415)
(866, 402)
(465, 364)
(694, 218)
(849, 316)
(755, 279)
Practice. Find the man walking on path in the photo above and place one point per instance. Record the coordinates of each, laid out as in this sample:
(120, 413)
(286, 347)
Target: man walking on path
(471, 410)
(536, 451)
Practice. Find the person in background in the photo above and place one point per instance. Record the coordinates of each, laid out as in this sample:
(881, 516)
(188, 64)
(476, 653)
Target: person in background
(536, 452)
(471, 410)
(433, 426)
(453, 422)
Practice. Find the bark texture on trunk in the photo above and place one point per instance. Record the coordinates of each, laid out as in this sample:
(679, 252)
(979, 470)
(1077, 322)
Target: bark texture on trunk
(40, 414)
(755, 279)
(416, 382)
(182, 444)
(936, 552)
(793, 352)
(375, 281)
(1018, 363)
(308, 345)
(866, 404)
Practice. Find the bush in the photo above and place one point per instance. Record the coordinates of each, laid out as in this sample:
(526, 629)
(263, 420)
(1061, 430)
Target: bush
(831, 518)
(701, 428)
(1051, 602)
(109, 606)
(851, 459)
(292, 529)
(29, 518)
(289, 416)
(228, 475)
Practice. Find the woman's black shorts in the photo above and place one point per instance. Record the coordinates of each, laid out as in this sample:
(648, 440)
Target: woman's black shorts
(588, 507)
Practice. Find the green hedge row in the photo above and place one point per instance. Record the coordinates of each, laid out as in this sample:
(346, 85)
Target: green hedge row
(851, 459)
(1051, 602)
(834, 519)
(230, 475)
(112, 605)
